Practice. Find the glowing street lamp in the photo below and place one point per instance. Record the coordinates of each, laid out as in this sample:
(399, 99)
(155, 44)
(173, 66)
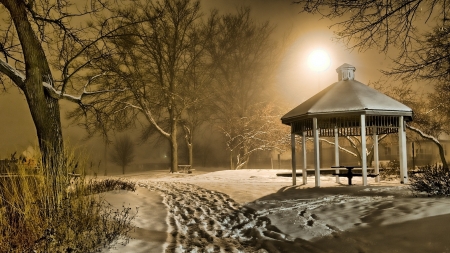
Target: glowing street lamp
(319, 61)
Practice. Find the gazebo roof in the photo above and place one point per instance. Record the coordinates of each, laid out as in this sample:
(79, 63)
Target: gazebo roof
(347, 97)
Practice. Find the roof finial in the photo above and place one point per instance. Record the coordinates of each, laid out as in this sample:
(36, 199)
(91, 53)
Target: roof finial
(346, 72)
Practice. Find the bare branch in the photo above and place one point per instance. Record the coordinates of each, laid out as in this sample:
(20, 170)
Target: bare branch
(16, 76)
(340, 148)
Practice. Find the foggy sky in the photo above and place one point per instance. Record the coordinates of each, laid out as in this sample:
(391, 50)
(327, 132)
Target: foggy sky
(299, 33)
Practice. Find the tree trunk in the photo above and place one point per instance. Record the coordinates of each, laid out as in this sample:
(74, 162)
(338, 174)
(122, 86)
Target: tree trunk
(45, 113)
(442, 155)
(43, 108)
(245, 158)
(433, 139)
(173, 147)
(106, 158)
(189, 137)
(191, 155)
(231, 160)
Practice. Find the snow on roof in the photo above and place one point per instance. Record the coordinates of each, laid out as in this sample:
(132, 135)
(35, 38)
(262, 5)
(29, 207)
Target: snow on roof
(348, 96)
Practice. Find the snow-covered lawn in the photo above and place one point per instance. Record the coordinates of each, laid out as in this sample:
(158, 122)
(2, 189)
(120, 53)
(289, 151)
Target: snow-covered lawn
(256, 211)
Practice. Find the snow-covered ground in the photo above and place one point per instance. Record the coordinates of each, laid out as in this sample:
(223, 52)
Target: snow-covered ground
(256, 211)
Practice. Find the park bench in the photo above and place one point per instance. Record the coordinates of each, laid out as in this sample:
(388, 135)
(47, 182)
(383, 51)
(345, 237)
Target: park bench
(350, 173)
(186, 168)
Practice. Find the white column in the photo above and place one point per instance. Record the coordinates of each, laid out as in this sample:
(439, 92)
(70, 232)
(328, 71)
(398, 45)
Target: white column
(294, 169)
(363, 149)
(304, 172)
(402, 150)
(316, 153)
(336, 151)
(376, 159)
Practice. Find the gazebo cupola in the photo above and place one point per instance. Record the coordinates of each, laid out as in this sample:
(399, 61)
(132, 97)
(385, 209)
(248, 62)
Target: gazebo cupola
(348, 108)
(346, 72)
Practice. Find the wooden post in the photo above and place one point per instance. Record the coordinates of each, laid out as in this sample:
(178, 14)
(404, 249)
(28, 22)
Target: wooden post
(402, 151)
(316, 153)
(376, 160)
(363, 149)
(304, 172)
(294, 169)
(336, 152)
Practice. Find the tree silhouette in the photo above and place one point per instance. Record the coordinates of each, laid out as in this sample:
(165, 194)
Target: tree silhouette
(394, 27)
(46, 53)
(155, 66)
(122, 152)
(242, 55)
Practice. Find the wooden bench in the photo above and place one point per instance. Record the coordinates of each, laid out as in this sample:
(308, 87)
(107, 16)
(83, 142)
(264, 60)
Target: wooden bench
(350, 173)
(186, 168)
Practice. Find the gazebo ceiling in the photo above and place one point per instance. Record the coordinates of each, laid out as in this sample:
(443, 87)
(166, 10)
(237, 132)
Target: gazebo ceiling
(347, 98)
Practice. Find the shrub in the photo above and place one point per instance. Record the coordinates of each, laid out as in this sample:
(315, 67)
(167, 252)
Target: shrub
(93, 186)
(431, 179)
(110, 184)
(80, 222)
(390, 170)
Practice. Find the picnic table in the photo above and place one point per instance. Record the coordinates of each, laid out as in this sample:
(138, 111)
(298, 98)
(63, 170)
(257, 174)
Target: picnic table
(350, 173)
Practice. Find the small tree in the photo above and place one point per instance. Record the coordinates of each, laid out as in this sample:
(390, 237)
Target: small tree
(258, 132)
(241, 55)
(430, 115)
(123, 152)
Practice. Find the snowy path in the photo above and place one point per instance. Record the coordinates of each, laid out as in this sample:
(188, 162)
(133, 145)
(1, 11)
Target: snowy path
(150, 233)
(255, 211)
(208, 221)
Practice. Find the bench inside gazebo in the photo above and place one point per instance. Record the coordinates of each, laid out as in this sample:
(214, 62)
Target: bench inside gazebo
(348, 108)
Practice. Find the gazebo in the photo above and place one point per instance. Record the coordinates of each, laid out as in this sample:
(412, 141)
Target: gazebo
(348, 108)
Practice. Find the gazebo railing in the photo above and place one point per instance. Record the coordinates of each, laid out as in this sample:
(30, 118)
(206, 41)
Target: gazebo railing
(346, 125)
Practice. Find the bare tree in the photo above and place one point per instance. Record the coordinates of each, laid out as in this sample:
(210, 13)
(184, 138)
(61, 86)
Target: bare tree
(195, 116)
(400, 27)
(44, 49)
(197, 89)
(355, 143)
(430, 116)
(260, 131)
(155, 67)
(122, 152)
(240, 55)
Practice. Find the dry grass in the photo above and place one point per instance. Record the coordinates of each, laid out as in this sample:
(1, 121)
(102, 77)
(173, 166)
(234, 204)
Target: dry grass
(81, 221)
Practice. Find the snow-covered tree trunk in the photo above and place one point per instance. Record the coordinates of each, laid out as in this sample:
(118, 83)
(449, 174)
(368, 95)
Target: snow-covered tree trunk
(240, 162)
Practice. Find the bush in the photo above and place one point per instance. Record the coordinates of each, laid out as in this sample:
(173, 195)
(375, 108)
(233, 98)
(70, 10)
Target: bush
(431, 179)
(80, 222)
(93, 186)
(390, 171)
(110, 184)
